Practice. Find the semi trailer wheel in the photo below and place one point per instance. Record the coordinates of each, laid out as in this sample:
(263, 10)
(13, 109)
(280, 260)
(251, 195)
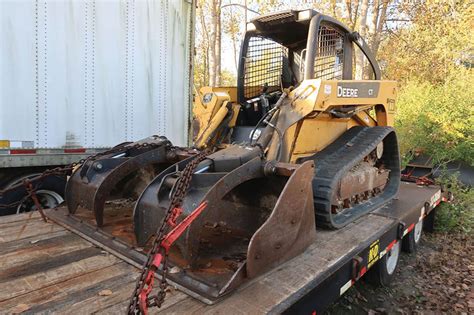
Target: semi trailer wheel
(50, 193)
(411, 240)
(384, 270)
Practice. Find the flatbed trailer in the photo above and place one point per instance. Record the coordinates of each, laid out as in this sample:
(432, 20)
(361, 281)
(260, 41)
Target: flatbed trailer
(56, 267)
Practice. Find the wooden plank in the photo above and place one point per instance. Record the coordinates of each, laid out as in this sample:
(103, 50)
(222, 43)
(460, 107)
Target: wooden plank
(44, 250)
(185, 306)
(18, 245)
(33, 215)
(172, 298)
(41, 298)
(119, 300)
(46, 272)
(28, 228)
(80, 295)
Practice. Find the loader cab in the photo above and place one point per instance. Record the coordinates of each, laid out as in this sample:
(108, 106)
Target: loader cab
(282, 49)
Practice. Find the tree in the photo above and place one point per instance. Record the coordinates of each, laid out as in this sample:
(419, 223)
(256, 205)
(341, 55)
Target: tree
(379, 18)
(364, 8)
(375, 20)
(232, 27)
(435, 42)
(215, 43)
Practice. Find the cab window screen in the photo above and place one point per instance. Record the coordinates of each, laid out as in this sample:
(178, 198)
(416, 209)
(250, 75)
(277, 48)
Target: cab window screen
(328, 64)
(264, 62)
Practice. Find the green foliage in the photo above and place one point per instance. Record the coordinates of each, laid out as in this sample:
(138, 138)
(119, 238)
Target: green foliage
(439, 119)
(431, 58)
(435, 43)
(457, 216)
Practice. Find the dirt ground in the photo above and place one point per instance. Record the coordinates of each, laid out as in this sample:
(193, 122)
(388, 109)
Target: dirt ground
(437, 279)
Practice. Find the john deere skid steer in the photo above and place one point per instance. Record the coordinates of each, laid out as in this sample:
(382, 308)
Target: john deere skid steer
(299, 144)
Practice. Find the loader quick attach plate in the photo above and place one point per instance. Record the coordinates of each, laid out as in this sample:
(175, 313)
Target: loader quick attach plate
(285, 233)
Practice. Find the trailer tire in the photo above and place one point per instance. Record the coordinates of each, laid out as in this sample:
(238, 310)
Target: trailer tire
(411, 240)
(383, 271)
(50, 193)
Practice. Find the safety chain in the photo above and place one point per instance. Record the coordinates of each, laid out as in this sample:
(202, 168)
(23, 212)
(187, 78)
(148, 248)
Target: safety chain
(32, 193)
(169, 221)
(67, 170)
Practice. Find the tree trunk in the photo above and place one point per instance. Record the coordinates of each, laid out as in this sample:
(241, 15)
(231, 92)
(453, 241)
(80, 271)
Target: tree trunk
(356, 13)
(349, 13)
(212, 44)
(381, 22)
(234, 46)
(333, 8)
(373, 22)
(218, 44)
(204, 47)
(363, 32)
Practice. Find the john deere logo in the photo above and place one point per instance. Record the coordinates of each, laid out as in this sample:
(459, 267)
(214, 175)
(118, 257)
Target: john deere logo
(358, 89)
(347, 92)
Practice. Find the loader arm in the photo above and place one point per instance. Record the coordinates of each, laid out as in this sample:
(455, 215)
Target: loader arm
(214, 115)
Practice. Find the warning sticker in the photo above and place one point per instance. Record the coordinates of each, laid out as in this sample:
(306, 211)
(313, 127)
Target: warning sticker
(327, 89)
(373, 253)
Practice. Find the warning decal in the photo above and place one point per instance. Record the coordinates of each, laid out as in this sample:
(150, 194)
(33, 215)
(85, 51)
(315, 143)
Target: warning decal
(373, 253)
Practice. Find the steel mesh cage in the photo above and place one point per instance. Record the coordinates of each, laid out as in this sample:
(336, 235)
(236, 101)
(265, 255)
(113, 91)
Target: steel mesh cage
(328, 64)
(263, 65)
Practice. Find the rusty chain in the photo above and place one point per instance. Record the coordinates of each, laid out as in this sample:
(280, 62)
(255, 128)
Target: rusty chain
(67, 170)
(178, 195)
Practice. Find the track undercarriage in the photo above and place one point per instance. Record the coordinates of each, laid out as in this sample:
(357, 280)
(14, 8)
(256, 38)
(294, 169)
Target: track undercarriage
(354, 175)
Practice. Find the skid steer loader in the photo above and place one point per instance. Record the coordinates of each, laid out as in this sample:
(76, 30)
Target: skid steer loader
(300, 144)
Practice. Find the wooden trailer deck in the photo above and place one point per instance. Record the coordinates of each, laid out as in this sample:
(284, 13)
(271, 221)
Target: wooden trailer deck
(44, 267)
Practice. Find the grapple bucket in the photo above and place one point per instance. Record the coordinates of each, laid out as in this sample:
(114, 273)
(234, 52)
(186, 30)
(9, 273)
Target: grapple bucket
(258, 216)
(123, 173)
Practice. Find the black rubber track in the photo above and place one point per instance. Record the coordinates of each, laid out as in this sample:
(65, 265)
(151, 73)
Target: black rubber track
(338, 158)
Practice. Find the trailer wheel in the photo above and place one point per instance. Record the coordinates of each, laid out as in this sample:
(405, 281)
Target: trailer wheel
(50, 195)
(410, 242)
(384, 270)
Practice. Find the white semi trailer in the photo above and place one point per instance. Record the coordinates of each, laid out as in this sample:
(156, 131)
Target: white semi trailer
(77, 77)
